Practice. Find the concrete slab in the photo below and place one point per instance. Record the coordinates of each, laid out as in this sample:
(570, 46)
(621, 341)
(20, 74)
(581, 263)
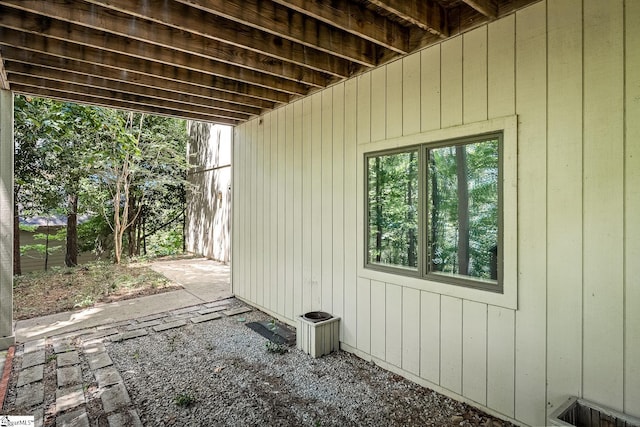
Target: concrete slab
(30, 375)
(102, 314)
(170, 325)
(38, 417)
(236, 311)
(67, 359)
(100, 334)
(69, 397)
(125, 419)
(93, 348)
(99, 360)
(204, 281)
(213, 309)
(142, 325)
(206, 318)
(62, 345)
(34, 345)
(128, 335)
(152, 317)
(30, 395)
(186, 310)
(115, 398)
(73, 419)
(33, 359)
(68, 376)
(108, 376)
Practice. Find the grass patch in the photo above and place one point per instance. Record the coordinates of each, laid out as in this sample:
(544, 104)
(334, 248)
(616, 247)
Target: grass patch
(63, 289)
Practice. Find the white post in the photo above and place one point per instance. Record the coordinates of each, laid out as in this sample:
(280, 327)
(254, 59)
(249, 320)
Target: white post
(7, 337)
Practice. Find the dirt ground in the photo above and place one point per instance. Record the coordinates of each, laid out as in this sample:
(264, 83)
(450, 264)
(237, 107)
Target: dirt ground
(64, 289)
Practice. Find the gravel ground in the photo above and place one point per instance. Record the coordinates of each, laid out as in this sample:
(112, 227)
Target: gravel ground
(220, 373)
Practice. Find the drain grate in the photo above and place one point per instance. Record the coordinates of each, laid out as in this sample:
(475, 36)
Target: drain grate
(277, 333)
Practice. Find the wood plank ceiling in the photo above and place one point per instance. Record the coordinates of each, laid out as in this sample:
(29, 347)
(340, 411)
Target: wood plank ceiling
(221, 61)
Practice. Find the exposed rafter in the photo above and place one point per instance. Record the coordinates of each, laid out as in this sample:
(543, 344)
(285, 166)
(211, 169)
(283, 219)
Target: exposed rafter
(486, 7)
(426, 14)
(4, 81)
(355, 19)
(215, 60)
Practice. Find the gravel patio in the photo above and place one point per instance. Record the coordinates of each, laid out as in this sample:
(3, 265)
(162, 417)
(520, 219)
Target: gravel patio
(201, 366)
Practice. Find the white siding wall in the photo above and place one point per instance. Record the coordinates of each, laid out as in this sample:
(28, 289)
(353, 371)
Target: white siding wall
(570, 72)
(208, 222)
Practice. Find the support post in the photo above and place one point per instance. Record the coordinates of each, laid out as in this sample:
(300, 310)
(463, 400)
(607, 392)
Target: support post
(7, 337)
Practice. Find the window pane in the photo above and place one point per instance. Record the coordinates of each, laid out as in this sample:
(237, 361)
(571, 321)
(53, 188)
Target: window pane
(463, 210)
(392, 194)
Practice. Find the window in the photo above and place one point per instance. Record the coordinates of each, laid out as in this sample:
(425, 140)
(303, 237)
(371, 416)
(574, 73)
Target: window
(435, 211)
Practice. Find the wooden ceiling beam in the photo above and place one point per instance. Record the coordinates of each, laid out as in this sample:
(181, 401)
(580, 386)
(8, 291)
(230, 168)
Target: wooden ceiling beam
(77, 88)
(128, 106)
(486, 7)
(68, 75)
(121, 43)
(355, 19)
(127, 76)
(196, 33)
(248, 94)
(426, 14)
(4, 81)
(270, 17)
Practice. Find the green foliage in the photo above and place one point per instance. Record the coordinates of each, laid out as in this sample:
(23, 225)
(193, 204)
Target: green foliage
(393, 209)
(65, 149)
(184, 400)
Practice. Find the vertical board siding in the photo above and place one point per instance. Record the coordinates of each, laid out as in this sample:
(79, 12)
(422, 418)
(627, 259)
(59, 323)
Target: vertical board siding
(564, 222)
(451, 343)
(349, 324)
(501, 74)
(474, 75)
(393, 322)
(316, 201)
(451, 82)
(430, 336)
(378, 104)
(363, 312)
(297, 210)
(261, 197)
(363, 117)
(307, 222)
(563, 68)
(501, 360)
(280, 212)
(603, 203)
(474, 351)
(288, 217)
(632, 207)
(337, 203)
(530, 317)
(411, 322)
(327, 202)
(411, 90)
(378, 322)
(430, 88)
(394, 99)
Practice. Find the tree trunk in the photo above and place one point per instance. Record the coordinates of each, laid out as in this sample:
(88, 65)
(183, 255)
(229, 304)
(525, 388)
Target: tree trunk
(411, 237)
(46, 249)
(71, 256)
(463, 210)
(17, 267)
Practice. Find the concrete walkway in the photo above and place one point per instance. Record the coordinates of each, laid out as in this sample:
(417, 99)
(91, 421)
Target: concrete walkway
(203, 281)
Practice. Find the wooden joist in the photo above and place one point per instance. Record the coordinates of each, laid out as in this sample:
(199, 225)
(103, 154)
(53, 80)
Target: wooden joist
(215, 60)
(4, 81)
